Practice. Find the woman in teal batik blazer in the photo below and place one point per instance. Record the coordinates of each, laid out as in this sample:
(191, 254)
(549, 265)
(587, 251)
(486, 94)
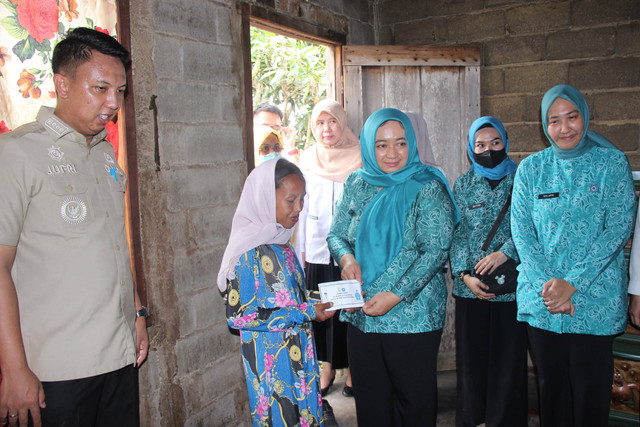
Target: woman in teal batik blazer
(392, 230)
(491, 345)
(572, 212)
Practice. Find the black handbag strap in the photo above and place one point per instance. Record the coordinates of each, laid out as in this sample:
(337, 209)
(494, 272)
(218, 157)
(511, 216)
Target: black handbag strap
(496, 224)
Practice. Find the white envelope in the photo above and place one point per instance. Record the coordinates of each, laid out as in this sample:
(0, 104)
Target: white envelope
(342, 293)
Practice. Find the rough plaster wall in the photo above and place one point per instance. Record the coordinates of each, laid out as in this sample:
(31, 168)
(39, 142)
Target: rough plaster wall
(530, 46)
(188, 53)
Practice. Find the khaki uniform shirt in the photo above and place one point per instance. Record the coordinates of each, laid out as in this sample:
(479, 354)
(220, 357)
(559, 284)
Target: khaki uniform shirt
(62, 206)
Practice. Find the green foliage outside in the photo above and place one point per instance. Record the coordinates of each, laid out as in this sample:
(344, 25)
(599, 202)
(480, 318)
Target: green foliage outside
(289, 73)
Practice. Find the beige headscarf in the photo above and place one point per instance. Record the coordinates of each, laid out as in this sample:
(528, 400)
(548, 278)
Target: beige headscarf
(334, 163)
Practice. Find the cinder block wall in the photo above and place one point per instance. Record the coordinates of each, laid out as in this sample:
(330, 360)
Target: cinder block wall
(530, 46)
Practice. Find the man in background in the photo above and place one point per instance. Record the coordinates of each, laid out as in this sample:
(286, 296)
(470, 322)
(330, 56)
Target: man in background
(271, 116)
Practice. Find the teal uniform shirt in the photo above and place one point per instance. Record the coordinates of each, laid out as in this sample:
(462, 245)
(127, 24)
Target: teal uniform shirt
(570, 219)
(426, 240)
(480, 207)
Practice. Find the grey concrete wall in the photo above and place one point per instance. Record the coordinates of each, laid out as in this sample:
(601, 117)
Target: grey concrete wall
(189, 54)
(186, 53)
(528, 47)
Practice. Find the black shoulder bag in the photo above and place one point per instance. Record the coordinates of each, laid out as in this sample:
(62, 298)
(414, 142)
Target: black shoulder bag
(504, 278)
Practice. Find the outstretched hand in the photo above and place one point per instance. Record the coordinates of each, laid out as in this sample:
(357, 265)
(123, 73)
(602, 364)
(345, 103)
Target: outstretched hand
(322, 311)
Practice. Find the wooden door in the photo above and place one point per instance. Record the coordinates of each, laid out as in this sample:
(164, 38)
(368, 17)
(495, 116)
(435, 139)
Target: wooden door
(441, 83)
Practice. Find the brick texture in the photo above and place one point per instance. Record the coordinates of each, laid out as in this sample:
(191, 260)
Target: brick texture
(475, 27)
(605, 73)
(514, 50)
(423, 32)
(538, 17)
(589, 43)
(537, 77)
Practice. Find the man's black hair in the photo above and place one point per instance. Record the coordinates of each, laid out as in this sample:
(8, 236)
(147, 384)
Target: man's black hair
(77, 46)
(268, 108)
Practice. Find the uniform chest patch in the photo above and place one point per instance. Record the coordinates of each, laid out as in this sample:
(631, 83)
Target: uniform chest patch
(73, 210)
(56, 153)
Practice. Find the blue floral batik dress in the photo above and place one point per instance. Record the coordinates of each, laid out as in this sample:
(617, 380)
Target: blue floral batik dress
(267, 302)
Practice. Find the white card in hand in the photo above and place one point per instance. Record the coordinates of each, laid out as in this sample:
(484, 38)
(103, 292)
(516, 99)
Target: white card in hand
(342, 293)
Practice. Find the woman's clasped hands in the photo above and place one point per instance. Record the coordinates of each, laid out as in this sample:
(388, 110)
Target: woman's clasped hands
(556, 294)
(486, 265)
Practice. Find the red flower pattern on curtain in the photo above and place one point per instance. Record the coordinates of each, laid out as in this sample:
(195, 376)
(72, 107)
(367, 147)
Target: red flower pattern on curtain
(39, 18)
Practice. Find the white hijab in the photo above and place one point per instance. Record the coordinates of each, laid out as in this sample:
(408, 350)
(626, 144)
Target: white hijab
(254, 222)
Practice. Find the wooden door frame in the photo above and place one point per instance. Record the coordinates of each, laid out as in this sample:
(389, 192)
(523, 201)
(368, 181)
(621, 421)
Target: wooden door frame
(133, 194)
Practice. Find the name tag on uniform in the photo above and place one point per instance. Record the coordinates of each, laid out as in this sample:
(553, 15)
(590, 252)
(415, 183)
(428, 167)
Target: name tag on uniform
(476, 206)
(312, 217)
(548, 195)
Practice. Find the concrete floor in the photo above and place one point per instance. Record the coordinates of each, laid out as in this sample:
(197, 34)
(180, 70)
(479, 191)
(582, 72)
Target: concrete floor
(345, 411)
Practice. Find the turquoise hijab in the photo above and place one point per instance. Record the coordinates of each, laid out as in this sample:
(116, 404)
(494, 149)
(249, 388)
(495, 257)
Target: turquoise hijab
(379, 236)
(505, 167)
(589, 138)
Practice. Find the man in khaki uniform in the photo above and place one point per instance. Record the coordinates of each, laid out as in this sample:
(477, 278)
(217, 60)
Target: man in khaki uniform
(72, 328)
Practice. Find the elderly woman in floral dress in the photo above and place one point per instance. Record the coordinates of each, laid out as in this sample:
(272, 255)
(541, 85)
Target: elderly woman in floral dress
(267, 300)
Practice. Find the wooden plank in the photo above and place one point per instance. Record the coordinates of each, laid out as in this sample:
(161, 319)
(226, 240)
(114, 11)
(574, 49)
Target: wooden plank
(373, 91)
(460, 56)
(132, 200)
(353, 98)
(442, 109)
(245, 41)
(401, 84)
(334, 74)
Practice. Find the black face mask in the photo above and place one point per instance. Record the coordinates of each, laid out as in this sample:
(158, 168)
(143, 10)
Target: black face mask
(490, 158)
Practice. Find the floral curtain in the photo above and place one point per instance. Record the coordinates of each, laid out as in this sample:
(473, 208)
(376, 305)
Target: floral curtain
(29, 30)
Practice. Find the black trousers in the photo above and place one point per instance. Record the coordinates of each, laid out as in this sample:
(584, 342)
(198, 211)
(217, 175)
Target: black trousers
(107, 400)
(575, 373)
(491, 364)
(394, 377)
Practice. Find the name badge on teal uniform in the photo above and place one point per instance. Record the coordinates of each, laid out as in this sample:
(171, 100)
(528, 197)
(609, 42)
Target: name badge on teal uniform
(476, 206)
(548, 195)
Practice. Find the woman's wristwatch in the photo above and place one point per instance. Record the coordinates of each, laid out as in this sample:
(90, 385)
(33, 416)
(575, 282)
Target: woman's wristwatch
(464, 273)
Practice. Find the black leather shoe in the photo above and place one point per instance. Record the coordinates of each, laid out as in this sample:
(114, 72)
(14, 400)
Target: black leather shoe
(325, 391)
(329, 417)
(347, 391)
